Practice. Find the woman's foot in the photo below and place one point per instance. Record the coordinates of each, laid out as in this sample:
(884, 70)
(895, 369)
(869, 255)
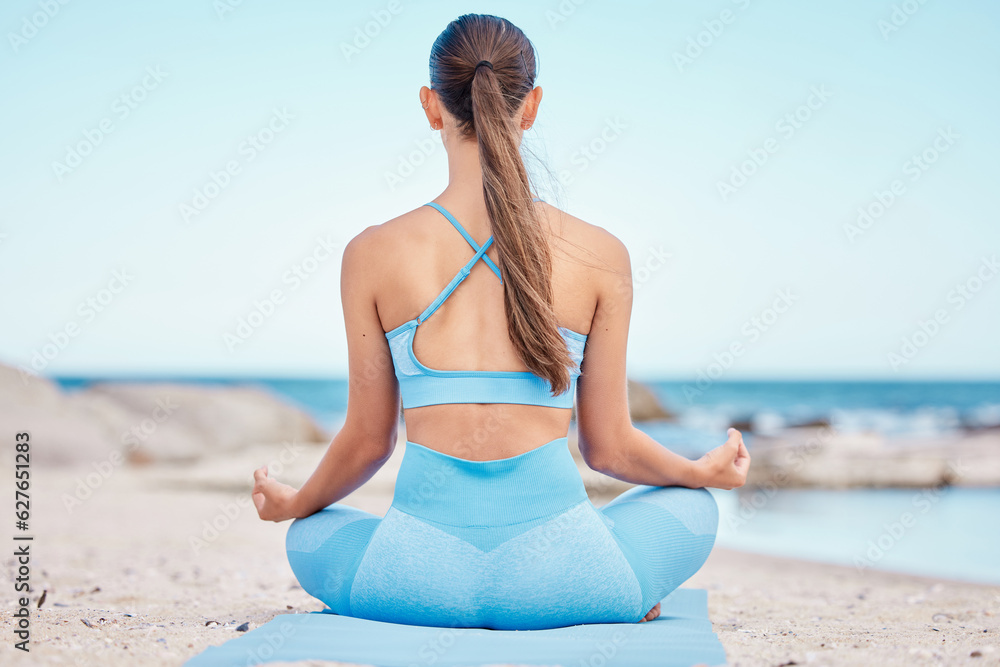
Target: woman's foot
(653, 613)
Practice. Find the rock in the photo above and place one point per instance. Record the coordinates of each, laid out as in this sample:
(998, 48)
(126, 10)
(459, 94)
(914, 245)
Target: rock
(62, 431)
(742, 425)
(812, 423)
(112, 422)
(242, 627)
(183, 422)
(644, 405)
(23, 388)
(823, 458)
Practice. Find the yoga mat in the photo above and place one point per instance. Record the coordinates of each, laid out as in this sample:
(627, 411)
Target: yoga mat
(682, 636)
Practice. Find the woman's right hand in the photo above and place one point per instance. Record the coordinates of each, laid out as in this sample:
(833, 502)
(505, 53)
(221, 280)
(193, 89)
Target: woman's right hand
(274, 501)
(726, 466)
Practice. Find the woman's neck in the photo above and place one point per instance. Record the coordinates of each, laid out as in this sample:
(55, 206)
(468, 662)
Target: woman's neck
(465, 183)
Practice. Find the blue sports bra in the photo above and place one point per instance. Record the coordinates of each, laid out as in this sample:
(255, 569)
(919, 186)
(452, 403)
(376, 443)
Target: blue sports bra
(420, 385)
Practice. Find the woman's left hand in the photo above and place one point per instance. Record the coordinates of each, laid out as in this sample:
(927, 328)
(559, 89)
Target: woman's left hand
(726, 466)
(274, 501)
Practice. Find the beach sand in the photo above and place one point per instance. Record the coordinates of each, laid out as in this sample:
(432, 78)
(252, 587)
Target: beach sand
(136, 574)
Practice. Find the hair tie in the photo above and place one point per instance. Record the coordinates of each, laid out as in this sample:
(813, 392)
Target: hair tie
(483, 62)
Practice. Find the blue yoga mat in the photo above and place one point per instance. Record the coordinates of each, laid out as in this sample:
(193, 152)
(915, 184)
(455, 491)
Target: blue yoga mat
(682, 636)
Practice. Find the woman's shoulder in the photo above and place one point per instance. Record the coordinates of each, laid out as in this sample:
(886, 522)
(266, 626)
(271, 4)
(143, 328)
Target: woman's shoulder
(377, 252)
(592, 239)
(382, 239)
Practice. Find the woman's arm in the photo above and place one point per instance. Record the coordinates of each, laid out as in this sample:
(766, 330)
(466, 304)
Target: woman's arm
(368, 436)
(608, 440)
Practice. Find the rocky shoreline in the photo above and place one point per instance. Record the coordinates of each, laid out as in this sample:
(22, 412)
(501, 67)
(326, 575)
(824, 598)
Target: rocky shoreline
(820, 457)
(138, 423)
(135, 423)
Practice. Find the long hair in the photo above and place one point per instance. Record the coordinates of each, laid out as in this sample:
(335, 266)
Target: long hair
(484, 98)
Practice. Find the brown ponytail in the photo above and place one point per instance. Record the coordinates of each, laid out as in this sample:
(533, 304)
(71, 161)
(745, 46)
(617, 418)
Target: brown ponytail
(484, 97)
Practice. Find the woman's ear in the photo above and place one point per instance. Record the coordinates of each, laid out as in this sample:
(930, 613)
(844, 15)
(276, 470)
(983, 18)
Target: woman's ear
(429, 101)
(530, 109)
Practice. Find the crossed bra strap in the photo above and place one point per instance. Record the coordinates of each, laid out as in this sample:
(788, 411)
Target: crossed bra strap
(464, 271)
(468, 237)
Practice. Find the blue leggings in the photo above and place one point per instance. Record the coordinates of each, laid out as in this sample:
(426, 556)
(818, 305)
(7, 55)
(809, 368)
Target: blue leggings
(507, 544)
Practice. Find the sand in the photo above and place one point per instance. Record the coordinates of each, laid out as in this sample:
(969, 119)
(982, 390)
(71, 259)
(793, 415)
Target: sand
(135, 575)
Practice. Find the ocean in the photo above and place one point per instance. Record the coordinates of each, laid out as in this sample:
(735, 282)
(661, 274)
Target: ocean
(946, 532)
(949, 534)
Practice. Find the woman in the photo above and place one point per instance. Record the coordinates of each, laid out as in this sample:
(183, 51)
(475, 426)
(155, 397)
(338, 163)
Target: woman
(488, 526)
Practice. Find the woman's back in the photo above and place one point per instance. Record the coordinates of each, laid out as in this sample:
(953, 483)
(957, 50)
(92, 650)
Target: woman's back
(413, 257)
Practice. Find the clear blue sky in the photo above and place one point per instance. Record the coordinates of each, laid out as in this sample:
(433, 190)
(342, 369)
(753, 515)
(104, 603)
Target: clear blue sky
(179, 86)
